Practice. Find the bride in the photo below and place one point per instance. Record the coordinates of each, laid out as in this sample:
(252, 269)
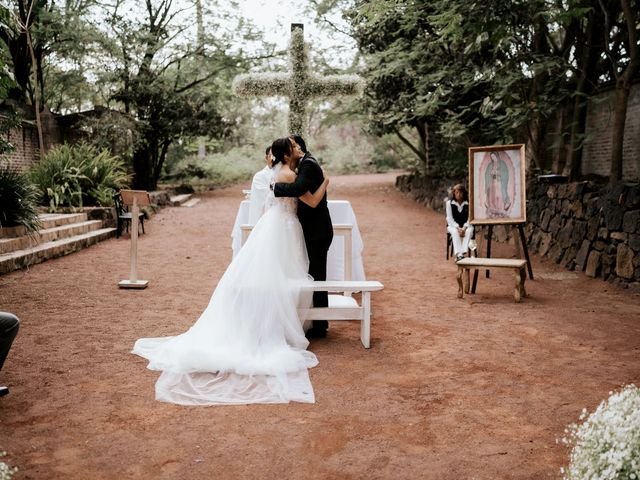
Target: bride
(248, 346)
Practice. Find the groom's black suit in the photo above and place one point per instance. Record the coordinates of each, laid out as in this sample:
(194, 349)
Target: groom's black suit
(316, 224)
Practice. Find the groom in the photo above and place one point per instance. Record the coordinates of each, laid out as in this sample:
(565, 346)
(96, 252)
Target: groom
(316, 222)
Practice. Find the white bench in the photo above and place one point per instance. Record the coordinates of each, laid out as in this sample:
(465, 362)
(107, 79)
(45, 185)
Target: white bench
(517, 265)
(345, 307)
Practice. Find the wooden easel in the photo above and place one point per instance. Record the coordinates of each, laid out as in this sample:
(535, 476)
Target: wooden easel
(522, 241)
(135, 199)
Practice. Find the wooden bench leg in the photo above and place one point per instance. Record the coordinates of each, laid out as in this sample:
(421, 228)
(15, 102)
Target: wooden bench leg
(365, 324)
(517, 294)
(459, 278)
(467, 280)
(523, 278)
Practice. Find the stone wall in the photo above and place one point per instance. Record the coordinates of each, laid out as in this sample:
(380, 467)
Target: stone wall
(431, 192)
(581, 226)
(587, 228)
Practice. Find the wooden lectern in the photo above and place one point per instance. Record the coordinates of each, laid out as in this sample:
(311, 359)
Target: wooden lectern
(135, 199)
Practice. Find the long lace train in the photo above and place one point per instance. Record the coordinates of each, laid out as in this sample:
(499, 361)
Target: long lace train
(248, 346)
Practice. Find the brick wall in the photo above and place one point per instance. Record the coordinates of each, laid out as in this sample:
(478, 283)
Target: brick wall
(26, 142)
(597, 150)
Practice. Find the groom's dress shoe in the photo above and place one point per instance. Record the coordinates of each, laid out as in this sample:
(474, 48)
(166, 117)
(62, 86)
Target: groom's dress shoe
(4, 391)
(316, 333)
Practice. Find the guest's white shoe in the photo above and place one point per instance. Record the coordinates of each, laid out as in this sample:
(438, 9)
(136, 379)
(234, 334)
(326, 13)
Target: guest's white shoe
(459, 257)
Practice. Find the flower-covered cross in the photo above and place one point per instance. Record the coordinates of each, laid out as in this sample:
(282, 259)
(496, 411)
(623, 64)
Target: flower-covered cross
(300, 85)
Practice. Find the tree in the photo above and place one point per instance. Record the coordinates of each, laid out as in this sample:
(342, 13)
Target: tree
(452, 71)
(624, 57)
(34, 31)
(171, 84)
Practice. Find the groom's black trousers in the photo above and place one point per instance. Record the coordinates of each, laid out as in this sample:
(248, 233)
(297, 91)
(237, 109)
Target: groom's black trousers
(317, 250)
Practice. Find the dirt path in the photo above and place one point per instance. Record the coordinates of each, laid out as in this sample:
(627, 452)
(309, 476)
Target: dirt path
(451, 389)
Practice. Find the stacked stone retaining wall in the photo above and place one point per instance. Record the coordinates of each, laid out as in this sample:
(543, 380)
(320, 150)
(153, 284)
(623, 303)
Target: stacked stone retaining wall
(587, 228)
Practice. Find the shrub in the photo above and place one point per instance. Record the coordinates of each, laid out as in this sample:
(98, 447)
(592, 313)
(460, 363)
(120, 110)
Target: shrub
(233, 166)
(18, 200)
(75, 176)
(606, 446)
(6, 472)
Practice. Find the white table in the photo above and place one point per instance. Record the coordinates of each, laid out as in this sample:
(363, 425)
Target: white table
(341, 215)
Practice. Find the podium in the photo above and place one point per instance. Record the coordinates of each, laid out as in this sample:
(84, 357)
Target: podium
(135, 199)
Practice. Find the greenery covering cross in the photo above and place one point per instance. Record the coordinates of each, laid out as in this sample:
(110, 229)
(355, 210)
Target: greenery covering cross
(300, 85)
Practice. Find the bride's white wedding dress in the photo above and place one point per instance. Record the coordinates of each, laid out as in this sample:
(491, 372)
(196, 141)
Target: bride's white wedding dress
(248, 346)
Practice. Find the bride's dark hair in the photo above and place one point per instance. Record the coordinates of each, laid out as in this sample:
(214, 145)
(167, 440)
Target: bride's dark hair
(280, 148)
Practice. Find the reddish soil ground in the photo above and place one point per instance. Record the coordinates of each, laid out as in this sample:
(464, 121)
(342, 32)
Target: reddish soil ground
(473, 388)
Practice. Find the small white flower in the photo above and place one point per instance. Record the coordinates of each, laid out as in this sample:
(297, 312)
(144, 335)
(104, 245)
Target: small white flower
(606, 445)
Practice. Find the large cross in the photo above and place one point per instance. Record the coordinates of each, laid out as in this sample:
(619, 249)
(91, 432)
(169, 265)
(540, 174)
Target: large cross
(300, 85)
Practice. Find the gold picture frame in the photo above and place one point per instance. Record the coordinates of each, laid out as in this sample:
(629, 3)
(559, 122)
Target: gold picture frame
(497, 185)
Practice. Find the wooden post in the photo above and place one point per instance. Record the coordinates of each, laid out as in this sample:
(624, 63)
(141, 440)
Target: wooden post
(135, 198)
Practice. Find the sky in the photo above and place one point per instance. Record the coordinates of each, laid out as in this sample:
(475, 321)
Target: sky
(275, 18)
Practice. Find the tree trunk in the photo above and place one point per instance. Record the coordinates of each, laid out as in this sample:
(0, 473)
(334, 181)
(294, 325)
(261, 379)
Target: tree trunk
(421, 151)
(537, 126)
(535, 143)
(36, 94)
(160, 162)
(623, 85)
(585, 86)
(564, 147)
(143, 178)
(423, 133)
(617, 140)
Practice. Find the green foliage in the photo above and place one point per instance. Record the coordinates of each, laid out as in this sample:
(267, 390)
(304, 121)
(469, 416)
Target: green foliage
(236, 165)
(480, 73)
(173, 89)
(8, 122)
(111, 131)
(346, 149)
(18, 200)
(75, 176)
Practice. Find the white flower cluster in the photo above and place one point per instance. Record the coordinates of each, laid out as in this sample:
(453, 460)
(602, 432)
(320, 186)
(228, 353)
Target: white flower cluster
(254, 84)
(606, 446)
(299, 86)
(6, 472)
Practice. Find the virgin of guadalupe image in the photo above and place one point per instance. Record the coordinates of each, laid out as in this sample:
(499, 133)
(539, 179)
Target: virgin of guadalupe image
(496, 182)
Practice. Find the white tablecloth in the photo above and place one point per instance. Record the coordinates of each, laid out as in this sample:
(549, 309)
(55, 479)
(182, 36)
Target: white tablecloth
(341, 213)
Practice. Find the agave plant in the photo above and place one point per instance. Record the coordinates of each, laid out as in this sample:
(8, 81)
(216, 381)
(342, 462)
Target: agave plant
(19, 199)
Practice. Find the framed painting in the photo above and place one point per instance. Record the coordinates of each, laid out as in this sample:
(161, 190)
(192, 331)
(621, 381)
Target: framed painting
(497, 184)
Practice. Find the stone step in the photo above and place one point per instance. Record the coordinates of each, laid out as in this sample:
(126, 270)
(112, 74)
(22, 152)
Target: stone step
(57, 248)
(52, 220)
(47, 220)
(178, 200)
(48, 235)
(191, 202)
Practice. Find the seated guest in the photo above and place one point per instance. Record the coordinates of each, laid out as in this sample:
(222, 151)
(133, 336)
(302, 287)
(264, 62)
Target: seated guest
(458, 224)
(260, 188)
(9, 325)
